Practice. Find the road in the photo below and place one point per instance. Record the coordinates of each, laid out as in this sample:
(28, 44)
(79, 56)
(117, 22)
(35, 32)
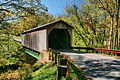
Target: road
(98, 67)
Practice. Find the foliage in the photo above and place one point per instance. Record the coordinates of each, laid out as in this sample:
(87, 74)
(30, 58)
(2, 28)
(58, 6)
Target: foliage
(92, 23)
(9, 49)
(14, 9)
(17, 16)
(10, 75)
(31, 21)
(111, 9)
(11, 57)
(21, 72)
(75, 73)
(47, 72)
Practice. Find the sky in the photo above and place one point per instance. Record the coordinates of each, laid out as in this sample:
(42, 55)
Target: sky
(56, 7)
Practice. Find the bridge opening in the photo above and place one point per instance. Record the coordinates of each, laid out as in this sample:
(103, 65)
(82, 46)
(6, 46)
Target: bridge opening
(59, 39)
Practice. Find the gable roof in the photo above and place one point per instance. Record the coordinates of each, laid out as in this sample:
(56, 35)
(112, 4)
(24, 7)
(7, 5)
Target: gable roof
(45, 26)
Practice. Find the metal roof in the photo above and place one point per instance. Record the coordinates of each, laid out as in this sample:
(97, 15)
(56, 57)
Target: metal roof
(45, 26)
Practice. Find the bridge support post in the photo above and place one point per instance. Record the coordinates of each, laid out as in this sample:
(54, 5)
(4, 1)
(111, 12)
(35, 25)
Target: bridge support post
(55, 57)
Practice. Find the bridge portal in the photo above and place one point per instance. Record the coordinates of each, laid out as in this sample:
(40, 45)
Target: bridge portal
(59, 39)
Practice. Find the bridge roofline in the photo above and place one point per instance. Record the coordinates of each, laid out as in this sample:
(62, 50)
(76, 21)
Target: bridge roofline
(46, 26)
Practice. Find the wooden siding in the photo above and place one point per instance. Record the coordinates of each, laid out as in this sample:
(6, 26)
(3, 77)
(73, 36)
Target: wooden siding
(59, 26)
(35, 40)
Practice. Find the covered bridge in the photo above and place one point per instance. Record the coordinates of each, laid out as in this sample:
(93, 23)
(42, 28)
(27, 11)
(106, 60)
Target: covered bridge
(55, 35)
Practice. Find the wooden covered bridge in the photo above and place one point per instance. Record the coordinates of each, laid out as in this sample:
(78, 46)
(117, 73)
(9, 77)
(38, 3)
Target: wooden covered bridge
(57, 35)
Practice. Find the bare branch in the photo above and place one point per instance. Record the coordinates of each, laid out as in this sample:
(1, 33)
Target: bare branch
(4, 10)
(105, 8)
(5, 3)
(26, 9)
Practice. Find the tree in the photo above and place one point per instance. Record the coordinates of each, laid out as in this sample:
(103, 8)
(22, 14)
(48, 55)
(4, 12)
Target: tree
(31, 21)
(13, 12)
(18, 7)
(23, 14)
(111, 7)
(97, 22)
(86, 23)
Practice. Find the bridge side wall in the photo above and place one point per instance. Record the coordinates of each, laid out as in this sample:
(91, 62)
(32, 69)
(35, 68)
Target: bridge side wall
(35, 40)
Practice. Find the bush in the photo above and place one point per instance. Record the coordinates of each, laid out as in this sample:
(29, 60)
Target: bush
(10, 49)
(47, 72)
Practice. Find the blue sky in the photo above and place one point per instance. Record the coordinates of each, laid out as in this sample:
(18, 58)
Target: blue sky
(56, 7)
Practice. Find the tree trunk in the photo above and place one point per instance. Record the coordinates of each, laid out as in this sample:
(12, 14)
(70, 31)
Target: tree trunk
(110, 41)
(117, 25)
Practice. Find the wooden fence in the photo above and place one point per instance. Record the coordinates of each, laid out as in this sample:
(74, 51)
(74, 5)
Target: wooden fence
(65, 64)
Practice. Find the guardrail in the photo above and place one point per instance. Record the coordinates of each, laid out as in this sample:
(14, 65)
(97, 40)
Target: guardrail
(107, 50)
(66, 66)
(96, 50)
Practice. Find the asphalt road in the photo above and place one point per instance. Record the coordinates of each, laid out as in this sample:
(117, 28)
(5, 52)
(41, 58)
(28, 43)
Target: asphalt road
(97, 66)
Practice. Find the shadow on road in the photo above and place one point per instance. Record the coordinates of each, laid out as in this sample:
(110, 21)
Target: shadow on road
(102, 69)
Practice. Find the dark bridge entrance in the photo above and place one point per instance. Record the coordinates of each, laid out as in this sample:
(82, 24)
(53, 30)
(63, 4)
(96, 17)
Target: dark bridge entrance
(59, 39)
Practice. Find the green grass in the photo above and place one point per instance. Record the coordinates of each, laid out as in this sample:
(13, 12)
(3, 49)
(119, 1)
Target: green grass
(75, 73)
(47, 72)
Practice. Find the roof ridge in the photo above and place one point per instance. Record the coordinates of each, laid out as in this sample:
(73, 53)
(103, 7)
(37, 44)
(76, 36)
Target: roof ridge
(43, 26)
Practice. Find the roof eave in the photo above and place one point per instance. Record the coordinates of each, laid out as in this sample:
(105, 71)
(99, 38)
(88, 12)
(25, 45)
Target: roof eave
(44, 26)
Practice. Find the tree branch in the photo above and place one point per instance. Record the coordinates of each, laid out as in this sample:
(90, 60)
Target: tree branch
(5, 3)
(26, 9)
(105, 8)
(4, 10)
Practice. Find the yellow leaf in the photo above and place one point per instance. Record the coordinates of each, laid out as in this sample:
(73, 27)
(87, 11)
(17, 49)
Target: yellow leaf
(9, 14)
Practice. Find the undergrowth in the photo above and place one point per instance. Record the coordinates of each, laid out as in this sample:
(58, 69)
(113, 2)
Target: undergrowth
(47, 72)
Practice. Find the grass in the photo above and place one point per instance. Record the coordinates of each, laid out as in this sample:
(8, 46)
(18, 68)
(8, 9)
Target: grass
(46, 72)
(76, 73)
